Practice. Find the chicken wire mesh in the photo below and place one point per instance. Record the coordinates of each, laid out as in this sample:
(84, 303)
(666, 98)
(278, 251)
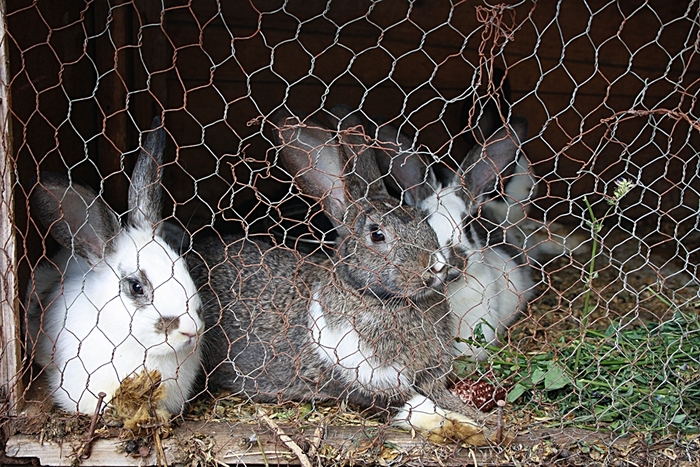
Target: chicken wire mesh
(342, 210)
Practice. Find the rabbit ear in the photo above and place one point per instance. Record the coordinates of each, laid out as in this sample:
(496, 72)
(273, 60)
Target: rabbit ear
(312, 155)
(341, 117)
(145, 191)
(521, 183)
(480, 119)
(483, 164)
(76, 217)
(408, 172)
(363, 178)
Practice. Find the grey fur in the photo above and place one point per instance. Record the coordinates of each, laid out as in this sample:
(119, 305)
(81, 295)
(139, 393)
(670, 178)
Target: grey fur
(75, 216)
(486, 163)
(406, 171)
(145, 190)
(265, 307)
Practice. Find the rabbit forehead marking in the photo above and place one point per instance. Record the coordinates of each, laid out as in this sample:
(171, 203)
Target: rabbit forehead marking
(447, 212)
(341, 347)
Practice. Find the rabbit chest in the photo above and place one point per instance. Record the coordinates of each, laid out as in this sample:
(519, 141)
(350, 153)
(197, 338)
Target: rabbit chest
(274, 318)
(379, 345)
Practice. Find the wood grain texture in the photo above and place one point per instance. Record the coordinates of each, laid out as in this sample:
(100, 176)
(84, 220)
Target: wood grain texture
(10, 382)
(249, 444)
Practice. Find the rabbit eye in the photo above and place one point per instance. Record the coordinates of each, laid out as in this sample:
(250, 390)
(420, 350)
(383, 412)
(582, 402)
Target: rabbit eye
(136, 288)
(376, 234)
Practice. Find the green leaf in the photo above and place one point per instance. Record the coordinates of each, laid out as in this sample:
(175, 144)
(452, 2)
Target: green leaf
(678, 418)
(556, 378)
(537, 375)
(517, 391)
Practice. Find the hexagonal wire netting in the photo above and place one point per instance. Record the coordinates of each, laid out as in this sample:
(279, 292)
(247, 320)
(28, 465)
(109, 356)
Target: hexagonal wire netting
(358, 213)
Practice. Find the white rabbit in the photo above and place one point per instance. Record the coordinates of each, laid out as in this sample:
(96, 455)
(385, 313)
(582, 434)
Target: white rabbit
(494, 283)
(115, 300)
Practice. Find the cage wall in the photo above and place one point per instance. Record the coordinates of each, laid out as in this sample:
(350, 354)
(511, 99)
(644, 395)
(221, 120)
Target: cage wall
(608, 88)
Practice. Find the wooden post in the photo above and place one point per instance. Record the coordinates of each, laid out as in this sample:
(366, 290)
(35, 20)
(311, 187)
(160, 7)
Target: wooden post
(10, 380)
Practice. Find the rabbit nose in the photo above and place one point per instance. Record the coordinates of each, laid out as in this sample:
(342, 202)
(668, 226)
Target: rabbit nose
(190, 335)
(190, 327)
(439, 263)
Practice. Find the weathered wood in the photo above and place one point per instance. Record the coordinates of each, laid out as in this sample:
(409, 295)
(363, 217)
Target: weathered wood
(250, 444)
(10, 383)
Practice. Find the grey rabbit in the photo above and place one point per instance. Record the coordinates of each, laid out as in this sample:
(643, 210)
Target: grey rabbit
(370, 326)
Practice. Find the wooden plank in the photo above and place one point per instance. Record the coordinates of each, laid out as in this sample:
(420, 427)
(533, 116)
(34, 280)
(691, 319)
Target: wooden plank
(232, 444)
(10, 383)
(51, 453)
(252, 444)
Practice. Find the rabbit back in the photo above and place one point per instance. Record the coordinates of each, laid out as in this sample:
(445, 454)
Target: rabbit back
(279, 329)
(255, 339)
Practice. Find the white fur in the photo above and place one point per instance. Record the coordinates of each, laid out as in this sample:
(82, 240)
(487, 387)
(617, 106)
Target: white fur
(91, 338)
(419, 413)
(491, 290)
(446, 212)
(422, 414)
(341, 348)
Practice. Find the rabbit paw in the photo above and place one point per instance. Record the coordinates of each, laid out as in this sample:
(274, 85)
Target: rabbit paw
(440, 426)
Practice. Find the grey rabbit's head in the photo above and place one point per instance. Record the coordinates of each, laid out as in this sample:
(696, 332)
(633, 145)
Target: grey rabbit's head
(384, 248)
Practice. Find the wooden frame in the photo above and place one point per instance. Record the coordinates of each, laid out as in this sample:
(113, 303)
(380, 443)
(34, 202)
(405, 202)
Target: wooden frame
(10, 380)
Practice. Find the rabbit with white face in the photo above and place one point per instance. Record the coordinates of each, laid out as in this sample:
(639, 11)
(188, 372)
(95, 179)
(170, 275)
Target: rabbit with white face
(493, 283)
(370, 326)
(115, 301)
